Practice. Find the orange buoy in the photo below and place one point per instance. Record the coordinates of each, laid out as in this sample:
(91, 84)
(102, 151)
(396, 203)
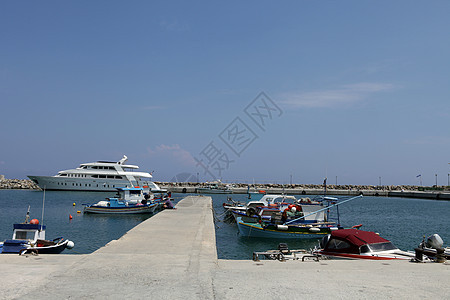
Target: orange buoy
(70, 217)
(34, 221)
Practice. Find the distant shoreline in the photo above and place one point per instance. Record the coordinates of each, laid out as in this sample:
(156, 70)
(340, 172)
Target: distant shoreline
(409, 191)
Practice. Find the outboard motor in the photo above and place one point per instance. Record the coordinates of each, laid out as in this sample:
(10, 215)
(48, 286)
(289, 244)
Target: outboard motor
(434, 241)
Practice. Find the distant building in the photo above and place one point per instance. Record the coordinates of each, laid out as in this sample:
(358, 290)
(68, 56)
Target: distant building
(2, 177)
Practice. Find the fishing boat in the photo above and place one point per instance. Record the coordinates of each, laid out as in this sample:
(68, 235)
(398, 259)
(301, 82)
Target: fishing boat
(271, 205)
(130, 200)
(265, 200)
(29, 237)
(98, 176)
(315, 224)
(360, 244)
(280, 231)
(215, 187)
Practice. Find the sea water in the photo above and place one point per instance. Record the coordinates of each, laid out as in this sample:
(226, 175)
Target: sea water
(89, 232)
(401, 220)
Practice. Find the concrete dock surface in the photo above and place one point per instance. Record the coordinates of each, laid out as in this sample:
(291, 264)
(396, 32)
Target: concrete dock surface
(172, 255)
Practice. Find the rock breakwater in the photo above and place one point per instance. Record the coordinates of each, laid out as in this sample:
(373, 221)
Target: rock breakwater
(18, 184)
(258, 186)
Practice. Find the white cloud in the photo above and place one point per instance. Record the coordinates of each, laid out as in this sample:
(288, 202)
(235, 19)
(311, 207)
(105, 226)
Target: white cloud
(174, 152)
(346, 94)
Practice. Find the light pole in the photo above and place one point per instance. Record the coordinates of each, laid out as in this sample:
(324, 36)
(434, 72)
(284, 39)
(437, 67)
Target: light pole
(336, 180)
(380, 180)
(436, 179)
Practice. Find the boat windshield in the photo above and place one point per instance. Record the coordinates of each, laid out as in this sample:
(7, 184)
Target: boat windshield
(378, 247)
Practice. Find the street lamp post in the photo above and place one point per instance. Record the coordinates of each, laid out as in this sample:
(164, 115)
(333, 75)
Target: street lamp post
(436, 179)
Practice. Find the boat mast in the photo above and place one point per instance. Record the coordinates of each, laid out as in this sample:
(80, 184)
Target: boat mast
(27, 218)
(43, 202)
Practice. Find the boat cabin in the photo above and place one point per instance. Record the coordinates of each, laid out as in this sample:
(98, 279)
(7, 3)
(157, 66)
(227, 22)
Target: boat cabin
(31, 232)
(129, 194)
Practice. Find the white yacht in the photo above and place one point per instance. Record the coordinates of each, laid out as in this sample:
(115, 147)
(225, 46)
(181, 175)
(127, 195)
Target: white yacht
(98, 176)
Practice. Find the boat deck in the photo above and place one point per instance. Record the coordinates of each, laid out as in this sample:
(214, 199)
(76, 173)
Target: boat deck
(173, 255)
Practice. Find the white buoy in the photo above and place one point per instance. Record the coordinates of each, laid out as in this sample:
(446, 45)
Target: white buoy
(70, 245)
(314, 229)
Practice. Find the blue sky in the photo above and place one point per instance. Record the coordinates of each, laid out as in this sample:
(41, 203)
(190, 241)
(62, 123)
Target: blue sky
(361, 86)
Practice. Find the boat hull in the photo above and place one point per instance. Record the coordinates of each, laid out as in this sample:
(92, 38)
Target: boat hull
(55, 183)
(142, 209)
(300, 232)
(378, 256)
(24, 248)
(54, 249)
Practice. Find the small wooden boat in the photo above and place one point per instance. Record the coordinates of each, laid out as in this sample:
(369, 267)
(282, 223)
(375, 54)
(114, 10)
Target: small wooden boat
(29, 237)
(282, 231)
(131, 200)
(360, 244)
(315, 224)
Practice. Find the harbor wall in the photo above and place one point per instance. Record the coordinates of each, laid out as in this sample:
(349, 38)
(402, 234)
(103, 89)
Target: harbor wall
(433, 195)
(295, 189)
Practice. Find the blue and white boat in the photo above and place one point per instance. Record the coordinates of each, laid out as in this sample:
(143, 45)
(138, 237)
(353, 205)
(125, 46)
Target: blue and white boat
(130, 200)
(29, 237)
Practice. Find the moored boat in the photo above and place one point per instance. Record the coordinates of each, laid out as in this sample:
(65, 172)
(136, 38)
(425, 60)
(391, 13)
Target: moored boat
(29, 237)
(360, 244)
(130, 200)
(300, 226)
(215, 187)
(98, 176)
(281, 231)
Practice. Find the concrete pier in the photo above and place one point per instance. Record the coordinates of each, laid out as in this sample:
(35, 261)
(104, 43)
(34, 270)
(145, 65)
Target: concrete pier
(173, 256)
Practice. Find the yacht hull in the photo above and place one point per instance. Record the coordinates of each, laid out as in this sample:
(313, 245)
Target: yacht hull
(54, 183)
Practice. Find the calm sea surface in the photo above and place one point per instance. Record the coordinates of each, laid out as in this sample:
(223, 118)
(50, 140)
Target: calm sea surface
(401, 220)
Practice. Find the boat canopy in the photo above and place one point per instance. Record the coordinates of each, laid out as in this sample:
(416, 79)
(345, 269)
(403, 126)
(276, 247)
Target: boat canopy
(358, 237)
